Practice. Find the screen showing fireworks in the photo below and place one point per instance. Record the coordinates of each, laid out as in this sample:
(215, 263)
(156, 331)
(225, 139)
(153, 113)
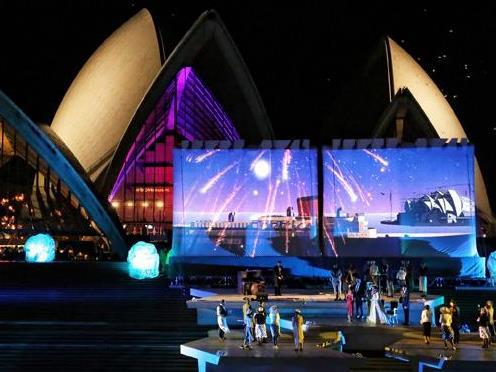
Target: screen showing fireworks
(414, 202)
(245, 203)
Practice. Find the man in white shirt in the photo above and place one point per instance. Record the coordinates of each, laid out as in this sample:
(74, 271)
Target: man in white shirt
(222, 320)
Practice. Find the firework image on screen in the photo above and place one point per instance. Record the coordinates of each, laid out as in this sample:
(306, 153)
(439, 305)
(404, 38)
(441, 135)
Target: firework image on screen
(414, 202)
(245, 202)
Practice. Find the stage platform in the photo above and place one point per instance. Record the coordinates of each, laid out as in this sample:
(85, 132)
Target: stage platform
(317, 306)
(468, 356)
(361, 349)
(215, 355)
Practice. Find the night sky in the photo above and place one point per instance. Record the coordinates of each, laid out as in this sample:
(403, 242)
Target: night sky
(300, 56)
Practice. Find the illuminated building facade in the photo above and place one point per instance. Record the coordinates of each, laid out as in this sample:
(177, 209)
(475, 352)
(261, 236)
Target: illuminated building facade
(103, 168)
(142, 193)
(116, 129)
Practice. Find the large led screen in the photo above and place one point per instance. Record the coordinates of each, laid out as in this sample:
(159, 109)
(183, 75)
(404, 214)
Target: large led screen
(414, 202)
(245, 202)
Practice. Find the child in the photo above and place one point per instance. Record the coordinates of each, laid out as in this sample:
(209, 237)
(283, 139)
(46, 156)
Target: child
(349, 305)
(425, 320)
(483, 321)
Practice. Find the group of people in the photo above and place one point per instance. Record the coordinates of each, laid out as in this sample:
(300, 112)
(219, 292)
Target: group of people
(449, 321)
(381, 276)
(366, 288)
(255, 321)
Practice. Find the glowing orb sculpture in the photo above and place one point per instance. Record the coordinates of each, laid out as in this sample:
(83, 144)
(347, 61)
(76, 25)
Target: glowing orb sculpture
(261, 169)
(491, 265)
(40, 248)
(143, 261)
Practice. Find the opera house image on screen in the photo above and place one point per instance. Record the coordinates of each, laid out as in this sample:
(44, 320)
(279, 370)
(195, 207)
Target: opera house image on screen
(101, 174)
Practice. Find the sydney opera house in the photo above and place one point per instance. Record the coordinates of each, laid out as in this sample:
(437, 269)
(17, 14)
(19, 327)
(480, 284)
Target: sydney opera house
(102, 171)
(118, 164)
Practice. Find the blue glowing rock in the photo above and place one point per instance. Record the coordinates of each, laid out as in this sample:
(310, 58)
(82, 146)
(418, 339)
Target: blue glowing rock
(143, 261)
(40, 248)
(491, 265)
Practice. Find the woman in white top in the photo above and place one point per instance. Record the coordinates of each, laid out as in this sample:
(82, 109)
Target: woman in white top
(376, 315)
(425, 320)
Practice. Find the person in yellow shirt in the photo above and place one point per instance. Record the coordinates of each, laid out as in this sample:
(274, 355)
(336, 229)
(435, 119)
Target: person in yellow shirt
(298, 322)
(445, 320)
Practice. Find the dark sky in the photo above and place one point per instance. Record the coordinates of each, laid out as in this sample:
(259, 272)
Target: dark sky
(300, 55)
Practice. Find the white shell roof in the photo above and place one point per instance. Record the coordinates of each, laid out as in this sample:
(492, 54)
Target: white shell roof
(105, 94)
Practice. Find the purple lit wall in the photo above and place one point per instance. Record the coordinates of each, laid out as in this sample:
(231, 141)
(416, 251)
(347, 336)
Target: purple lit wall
(186, 110)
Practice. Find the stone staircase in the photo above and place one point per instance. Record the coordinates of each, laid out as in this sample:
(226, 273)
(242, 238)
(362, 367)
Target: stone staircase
(91, 316)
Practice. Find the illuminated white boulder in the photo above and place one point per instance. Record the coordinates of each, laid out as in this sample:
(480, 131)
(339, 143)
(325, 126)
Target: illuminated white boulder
(40, 248)
(143, 261)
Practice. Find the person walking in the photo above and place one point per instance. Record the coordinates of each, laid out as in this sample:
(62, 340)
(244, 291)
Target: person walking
(483, 321)
(446, 330)
(297, 322)
(455, 321)
(222, 320)
(425, 320)
(275, 325)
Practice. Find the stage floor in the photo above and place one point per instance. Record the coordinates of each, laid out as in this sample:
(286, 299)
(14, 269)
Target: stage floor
(317, 306)
(213, 354)
(468, 350)
(289, 295)
(402, 343)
